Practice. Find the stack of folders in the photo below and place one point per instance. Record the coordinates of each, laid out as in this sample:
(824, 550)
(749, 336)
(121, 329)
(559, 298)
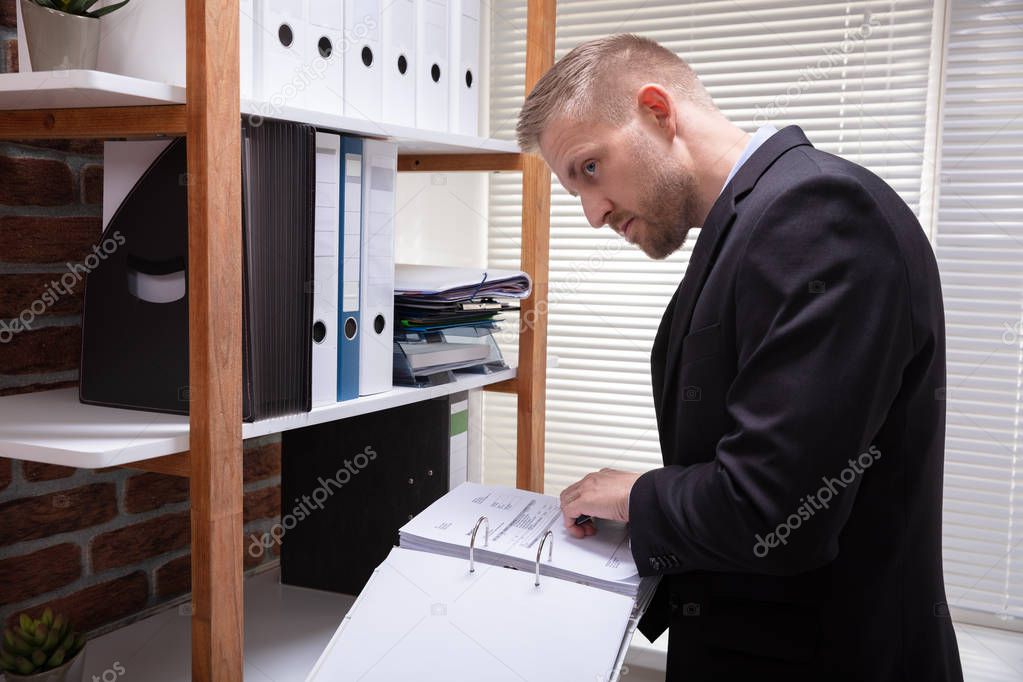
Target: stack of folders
(446, 318)
(430, 607)
(317, 273)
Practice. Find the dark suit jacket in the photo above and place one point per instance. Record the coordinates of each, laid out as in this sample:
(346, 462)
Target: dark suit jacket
(802, 355)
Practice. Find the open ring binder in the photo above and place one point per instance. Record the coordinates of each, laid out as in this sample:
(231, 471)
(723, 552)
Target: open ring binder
(422, 616)
(539, 550)
(472, 540)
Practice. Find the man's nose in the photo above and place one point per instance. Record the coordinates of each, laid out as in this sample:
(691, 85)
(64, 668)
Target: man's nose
(596, 209)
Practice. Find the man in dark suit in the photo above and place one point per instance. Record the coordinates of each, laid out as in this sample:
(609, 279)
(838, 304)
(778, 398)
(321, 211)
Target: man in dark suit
(798, 381)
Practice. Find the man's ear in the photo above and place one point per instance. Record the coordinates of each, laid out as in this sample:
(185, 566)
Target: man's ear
(657, 106)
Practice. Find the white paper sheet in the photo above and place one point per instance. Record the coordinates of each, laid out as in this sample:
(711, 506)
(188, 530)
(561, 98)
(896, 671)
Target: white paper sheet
(437, 279)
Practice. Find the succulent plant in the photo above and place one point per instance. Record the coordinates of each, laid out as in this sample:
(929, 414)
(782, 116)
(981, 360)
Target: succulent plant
(81, 8)
(34, 646)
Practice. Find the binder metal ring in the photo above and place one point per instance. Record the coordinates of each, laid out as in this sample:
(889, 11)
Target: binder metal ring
(539, 550)
(472, 540)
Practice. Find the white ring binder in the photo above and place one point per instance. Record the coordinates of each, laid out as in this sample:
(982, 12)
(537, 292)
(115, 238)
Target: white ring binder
(472, 540)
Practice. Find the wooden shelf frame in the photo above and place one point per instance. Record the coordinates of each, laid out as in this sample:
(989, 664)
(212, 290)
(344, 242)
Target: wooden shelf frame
(209, 121)
(163, 120)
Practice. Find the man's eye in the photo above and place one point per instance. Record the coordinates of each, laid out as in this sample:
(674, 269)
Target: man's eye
(590, 168)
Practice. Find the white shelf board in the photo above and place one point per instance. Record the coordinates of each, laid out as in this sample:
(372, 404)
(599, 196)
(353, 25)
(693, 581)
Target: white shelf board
(81, 88)
(55, 428)
(286, 630)
(400, 395)
(410, 140)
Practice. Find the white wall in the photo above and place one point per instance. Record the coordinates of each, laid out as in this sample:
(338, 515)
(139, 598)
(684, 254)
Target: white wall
(441, 219)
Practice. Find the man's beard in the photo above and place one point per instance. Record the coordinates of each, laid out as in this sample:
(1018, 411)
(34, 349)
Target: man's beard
(668, 211)
(668, 207)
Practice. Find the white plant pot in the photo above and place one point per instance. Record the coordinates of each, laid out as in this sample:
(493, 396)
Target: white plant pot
(70, 671)
(59, 41)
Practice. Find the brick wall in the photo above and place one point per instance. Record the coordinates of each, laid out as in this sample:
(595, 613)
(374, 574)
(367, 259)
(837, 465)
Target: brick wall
(101, 545)
(8, 36)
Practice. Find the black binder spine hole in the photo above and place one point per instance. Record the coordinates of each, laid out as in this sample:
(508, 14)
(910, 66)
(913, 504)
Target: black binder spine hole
(435, 73)
(319, 331)
(468, 78)
(402, 64)
(285, 35)
(325, 46)
(351, 328)
(367, 55)
(378, 324)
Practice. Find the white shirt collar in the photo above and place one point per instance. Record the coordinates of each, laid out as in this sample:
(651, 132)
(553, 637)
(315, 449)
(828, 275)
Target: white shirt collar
(759, 137)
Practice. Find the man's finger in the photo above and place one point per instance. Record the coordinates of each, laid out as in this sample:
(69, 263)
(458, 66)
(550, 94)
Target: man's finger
(570, 506)
(571, 513)
(570, 494)
(569, 521)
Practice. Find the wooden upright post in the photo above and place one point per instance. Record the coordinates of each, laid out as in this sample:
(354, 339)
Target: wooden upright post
(536, 224)
(215, 344)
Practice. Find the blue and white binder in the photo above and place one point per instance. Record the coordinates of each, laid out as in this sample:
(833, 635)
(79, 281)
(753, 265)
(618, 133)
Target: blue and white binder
(432, 62)
(376, 350)
(325, 269)
(399, 62)
(363, 58)
(350, 279)
(465, 65)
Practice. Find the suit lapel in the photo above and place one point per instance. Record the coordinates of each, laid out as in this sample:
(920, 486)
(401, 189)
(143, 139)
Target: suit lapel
(714, 230)
(675, 324)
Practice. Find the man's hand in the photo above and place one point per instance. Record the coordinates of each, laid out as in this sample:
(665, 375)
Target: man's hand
(603, 494)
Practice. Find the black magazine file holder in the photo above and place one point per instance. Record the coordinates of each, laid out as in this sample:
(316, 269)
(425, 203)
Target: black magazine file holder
(135, 351)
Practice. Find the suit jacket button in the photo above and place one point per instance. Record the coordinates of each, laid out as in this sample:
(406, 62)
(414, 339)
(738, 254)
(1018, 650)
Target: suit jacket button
(655, 563)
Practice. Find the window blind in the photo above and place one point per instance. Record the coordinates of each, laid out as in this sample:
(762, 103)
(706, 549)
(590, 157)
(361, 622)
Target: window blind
(979, 243)
(853, 75)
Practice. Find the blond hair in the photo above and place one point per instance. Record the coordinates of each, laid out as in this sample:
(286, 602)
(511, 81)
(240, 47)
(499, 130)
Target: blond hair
(597, 81)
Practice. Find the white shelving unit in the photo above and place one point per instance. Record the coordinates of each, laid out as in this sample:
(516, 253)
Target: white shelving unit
(55, 428)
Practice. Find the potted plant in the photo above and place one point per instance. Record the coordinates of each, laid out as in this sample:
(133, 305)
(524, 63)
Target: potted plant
(45, 649)
(63, 34)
